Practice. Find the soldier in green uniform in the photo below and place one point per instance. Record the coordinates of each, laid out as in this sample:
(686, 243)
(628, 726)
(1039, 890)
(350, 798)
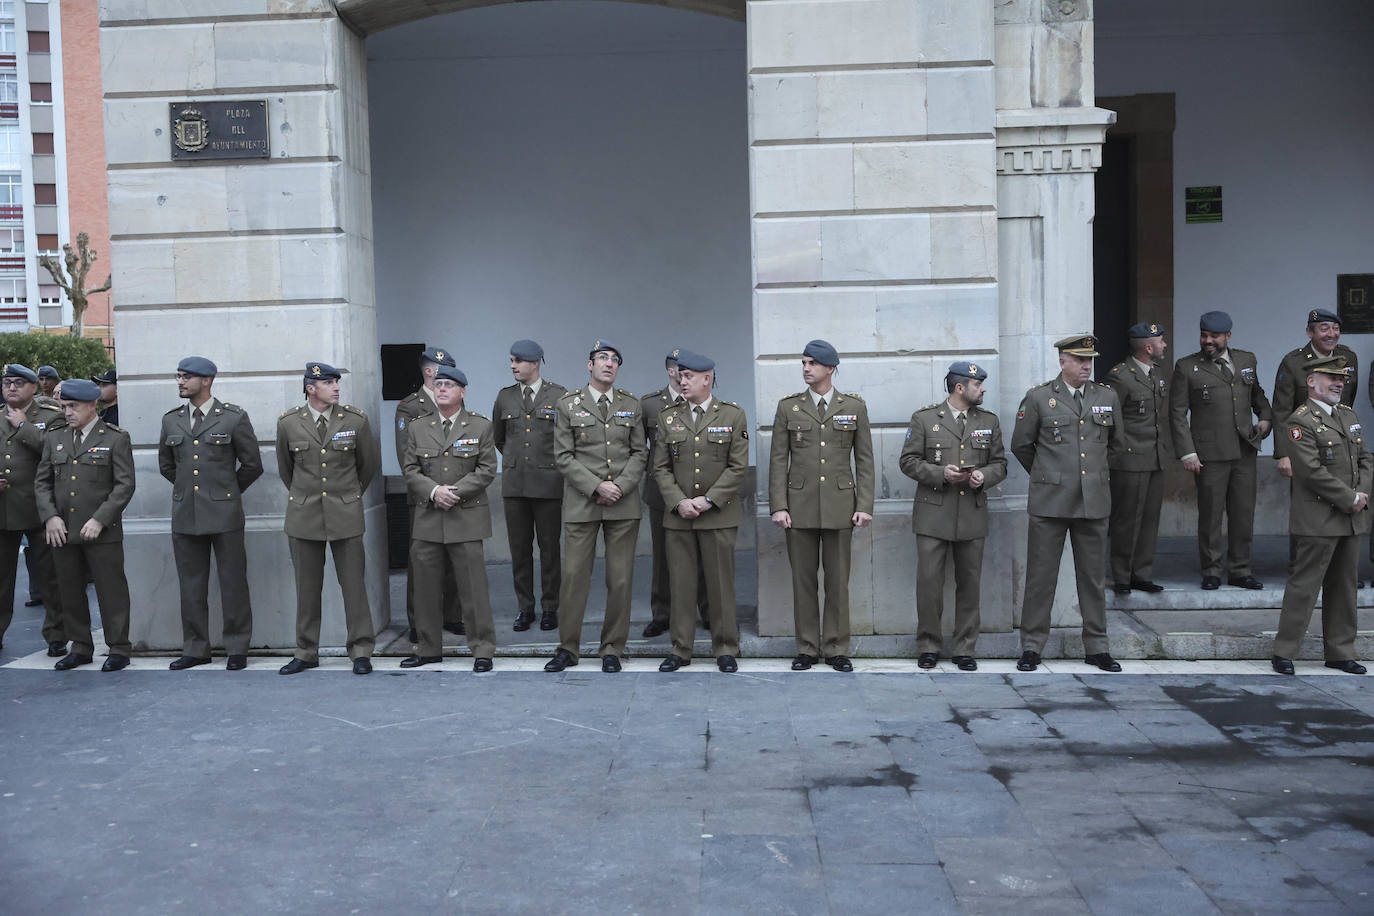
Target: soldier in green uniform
(954, 453)
(1138, 466)
(48, 380)
(818, 499)
(660, 596)
(412, 407)
(209, 452)
(701, 460)
(1333, 475)
(22, 433)
(1066, 432)
(524, 417)
(450, 459)
(85, 478)
(1213, 395)
(599, 448)
(327, 456)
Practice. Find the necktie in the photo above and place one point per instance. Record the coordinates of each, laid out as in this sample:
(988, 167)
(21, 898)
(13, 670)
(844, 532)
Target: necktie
(1225, 369)
(1078, 400)
(76, 441)
(319, 425)
(959, 419)
(697, 414)
(196, 419)
(448, 430)
(820, 406)
(529, 399)
(602, 404)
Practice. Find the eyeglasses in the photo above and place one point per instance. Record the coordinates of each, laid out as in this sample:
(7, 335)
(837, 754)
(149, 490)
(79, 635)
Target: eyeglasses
(184, 376)
(445, 384)
(16, 382)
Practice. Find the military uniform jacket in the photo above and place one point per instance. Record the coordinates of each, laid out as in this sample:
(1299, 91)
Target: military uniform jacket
(942, 509)
(23, 448)
(809, 472)
(209, 469)
(326, 477)
(96, 482)
(589, 450)
(708, 460)
(1290, 385)
(653, 404)
(1067, 454)
(1221, 427)
(525, 441)
(1330, 464)
(465, 459)
(1144, 422)
(417, 404)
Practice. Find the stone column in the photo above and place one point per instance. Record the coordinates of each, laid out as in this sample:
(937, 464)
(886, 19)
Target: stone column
(257, 264)
(873, 200)
(1049, 144)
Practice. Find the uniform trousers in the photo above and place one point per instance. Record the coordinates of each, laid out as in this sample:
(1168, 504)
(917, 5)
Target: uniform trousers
(1136, 500)
(528, 519)
(35, 577)
(40, 566)
(660, 591)
(808, 550)
(1328, 565)
(1044, 549)
(579, 554)
(192, 552)
(690, 552)
(453, 611)
(349, 559)
(465, 563)
(1229, 487)
(931, 556)
(79, 563)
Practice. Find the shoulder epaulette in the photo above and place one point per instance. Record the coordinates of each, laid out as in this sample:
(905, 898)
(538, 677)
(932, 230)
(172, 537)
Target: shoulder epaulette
(357, 410)
(731, 403)
(857, 397)
(113, 428)
(287, 412)
(233, 408)
(478, 415)
(797, 395)
(931, 406)
(1041, 385)
(167, 414)
(626, 393)
(1345, 407)
(569, 393)
(1302, 409)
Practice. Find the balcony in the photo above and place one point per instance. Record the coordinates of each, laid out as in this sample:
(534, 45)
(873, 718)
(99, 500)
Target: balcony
(11, 263)
(11, 213)
(9, 111)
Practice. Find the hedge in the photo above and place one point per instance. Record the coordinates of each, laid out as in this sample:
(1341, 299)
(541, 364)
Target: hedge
(72, 357)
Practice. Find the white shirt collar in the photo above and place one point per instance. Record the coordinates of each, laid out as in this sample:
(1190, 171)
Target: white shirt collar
(86, 430)
(204, 409)
(1323, 405)
(316, 414)
(704, 405)
(596, 395)
(1147, 368)
(816, 398)
(533, 386)
(954, 411)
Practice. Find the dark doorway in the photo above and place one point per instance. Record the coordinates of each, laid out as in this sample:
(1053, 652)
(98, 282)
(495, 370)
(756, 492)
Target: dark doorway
(1113, 246)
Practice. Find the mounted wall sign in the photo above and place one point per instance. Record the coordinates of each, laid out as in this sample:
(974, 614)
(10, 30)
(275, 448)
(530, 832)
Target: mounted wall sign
(1202, 205)
(1355, 303)
(219, 129)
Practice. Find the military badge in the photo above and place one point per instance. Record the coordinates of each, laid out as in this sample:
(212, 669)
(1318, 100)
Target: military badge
(400, 422)
(935, 428)
(1296, 433)
(1053, 403)
(1021, 411)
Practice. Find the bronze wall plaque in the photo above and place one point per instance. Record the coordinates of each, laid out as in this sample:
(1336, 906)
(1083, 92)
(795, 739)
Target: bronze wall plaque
(1355, 303)
(219, 129)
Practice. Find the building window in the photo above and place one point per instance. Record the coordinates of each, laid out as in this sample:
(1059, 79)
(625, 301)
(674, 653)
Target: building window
(47, 244)
(11, 189)
(38, 42)
(13, 291)
(9, 86)
(45, 194)
(7, 34)
(42, 144)
(7, 9)
(40, 92)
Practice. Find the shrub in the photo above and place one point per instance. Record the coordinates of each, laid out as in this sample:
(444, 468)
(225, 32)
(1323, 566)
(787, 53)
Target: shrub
(72, 357)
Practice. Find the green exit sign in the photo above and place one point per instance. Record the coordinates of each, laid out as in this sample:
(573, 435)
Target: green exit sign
(1202, 205)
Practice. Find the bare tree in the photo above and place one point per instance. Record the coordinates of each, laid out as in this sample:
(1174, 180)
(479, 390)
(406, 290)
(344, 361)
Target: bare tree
(78, 265)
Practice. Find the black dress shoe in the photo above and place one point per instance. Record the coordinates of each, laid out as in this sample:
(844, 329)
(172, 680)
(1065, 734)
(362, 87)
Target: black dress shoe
(236, 663)
(481, 665)
(187, 661)
(57, 649)
(610, 664)
(1103, 660)
(561, 659)
(455, 628)
(71, 660)
(296, 666)
(673, 662)
(727, 664)
(115, 663)
(1029, 661)
(839, 662)
(1141, 585)
(1249, 582)
(803, 661)
(524, 621)
(548, 621)
(416, 661)
(655, 628)
(33, 602)
(1281, 665)
(965, 662)
(1349, 666)
(362, 666)
(927, 660)
(1121, 589)
(1211, 583)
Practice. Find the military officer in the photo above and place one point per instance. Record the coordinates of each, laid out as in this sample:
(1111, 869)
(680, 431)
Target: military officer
(524, 417)
(660, 597)
(21, 435)
(326, 456)
(1137, 467)
(954, 452)
(599, 448)
(417, 404)
(818, 498)
(701, 460)
(47, 382)
(109, 395)
(209, 452)
(1218, 416)
(450, 459)
(85, 479)
(1065, 435)
(1333, 475)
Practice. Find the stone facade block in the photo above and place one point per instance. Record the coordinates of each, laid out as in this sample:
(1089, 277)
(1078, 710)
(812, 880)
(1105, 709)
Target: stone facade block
(786, 250)
(784, 106)
(924, 175)
(136, 130)
(802, 178)
(185, 56)
(866, 248)
(124, 12)
(965, 246)
(144, 272)
(168, 201)
(302, 52)
(819, 33)
(961, 100)
(874, 103)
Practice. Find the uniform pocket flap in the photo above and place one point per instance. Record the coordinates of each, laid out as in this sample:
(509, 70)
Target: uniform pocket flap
(1053, 477)
(175, 439)
(799, 425)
